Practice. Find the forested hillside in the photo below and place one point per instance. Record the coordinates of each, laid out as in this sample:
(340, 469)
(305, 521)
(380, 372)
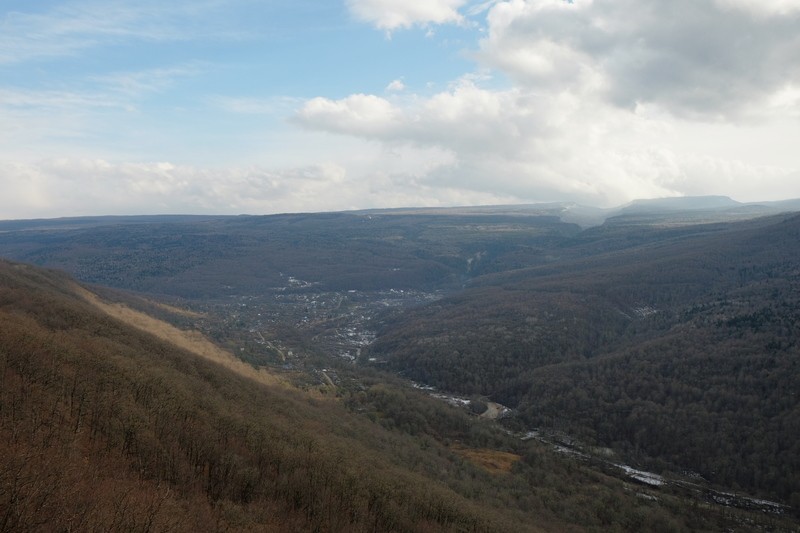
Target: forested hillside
(650, 341)
(244, 255)
(104, 427)
(682, 352)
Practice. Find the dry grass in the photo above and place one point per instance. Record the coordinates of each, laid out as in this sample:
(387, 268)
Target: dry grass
(192, 341)
(177, 310)
(493, 461)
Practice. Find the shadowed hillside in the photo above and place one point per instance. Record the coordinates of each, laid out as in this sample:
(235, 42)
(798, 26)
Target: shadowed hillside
(681, 352)
(242, 255)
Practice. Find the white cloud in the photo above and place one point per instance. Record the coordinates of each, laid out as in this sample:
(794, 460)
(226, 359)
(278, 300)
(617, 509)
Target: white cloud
(378, 178)
(511, 142)
(785, 102)
(697, 58)
(465, 117)
(358, 114)
(396, 14)
(88, 185)
(72, 27)
(546, 146)
(599, 102)
(762, 7)
(396, 86)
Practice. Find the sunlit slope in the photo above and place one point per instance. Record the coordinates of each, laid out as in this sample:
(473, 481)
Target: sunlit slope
(106, 427)
(191, 341)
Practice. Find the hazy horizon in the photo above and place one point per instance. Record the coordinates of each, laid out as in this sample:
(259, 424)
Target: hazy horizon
(411, 208)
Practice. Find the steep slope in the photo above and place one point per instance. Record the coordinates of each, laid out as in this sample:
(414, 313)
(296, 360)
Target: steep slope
(108, 427)
(191, 341)
(104, 427)
(683, 349)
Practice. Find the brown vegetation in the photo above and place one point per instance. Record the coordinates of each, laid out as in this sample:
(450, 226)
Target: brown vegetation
(192, 341)
(674, 346)
(103, 428)
(493, 461)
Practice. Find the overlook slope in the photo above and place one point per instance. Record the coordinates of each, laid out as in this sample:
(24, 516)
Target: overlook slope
(105, 427)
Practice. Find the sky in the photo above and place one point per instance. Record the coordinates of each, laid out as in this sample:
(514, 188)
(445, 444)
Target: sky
(267, 106)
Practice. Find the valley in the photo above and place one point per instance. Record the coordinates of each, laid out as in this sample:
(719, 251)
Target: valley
(336, 324)
(400, 266)
(651, 354)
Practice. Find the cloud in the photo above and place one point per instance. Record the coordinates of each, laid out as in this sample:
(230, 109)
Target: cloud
(48, 101)
(68, 29)
(396, 86)
(73, 27)
(463, 118)
(708, 59)
(80, 110)
(766, 8)
(512, 142)
(86, 186)
(358, 114)
(542, 146)
(594, 101)
(39, 188)
(600, 91)
(399, 14)
(139, 82)
(785, 102)
(255, 106)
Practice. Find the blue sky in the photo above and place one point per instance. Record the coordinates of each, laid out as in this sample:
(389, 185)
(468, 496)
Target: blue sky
(245, 106)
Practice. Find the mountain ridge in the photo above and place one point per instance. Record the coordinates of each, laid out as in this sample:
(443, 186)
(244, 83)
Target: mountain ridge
(586, 216)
